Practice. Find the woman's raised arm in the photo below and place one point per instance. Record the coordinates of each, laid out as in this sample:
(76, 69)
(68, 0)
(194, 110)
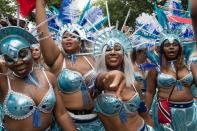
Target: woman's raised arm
(49, 49)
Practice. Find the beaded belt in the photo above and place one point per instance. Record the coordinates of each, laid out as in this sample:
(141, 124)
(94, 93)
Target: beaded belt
(181, 104)
(80, 112)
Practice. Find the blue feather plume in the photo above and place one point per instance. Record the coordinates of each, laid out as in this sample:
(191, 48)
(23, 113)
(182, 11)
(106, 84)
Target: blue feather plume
(161, 17)
(92, 15)
(67, 12)
(52, 22)
(177, 5)
(63, 15)
(98, 25)
(87, 7)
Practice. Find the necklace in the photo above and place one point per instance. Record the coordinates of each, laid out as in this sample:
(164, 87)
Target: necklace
(172, 65)
(30, 78)
(72, 58)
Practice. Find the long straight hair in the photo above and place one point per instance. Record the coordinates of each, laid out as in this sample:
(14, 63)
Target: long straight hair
(127, 66)
(179, 60)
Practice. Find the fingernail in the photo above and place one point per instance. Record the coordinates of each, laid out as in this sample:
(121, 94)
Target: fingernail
(112, 85)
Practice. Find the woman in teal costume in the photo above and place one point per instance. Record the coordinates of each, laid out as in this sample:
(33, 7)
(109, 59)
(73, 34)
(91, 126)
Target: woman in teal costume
(29, 96)
(75, 71)
(120, 104)
(176, 79)
(172, 77)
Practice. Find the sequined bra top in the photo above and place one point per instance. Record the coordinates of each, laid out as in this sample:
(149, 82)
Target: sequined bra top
(139, 77)
(70, 81)
(108, 104)
(19, 106)
(167, 81)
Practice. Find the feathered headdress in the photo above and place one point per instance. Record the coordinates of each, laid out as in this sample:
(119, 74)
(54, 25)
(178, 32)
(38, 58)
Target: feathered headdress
(110, 36)
(156, 29)
(70, 19)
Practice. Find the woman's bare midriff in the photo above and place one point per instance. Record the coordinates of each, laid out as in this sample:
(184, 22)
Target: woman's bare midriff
(113, 123)
(74, 101)
(184, 95)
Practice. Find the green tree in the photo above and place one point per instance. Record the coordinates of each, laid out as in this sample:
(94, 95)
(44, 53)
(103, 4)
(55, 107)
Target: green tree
(8, 7)
(118, 10)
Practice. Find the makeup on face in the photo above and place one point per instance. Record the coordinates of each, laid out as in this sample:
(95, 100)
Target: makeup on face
(174, 42)
(68, 35)
(23, 54)
(116, 47)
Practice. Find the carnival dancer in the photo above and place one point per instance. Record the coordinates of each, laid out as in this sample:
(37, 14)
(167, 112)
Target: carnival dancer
(118, 105)
(120, 108)
(29, 96)
(71, 64)
(37, 57)
(172, 77)
(141, 63)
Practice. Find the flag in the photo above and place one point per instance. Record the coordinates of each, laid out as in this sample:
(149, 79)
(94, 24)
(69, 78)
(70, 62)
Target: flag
(26, 6)
(180, 19)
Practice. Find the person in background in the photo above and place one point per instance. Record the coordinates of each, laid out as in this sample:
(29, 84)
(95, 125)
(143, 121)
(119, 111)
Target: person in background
(37, 57)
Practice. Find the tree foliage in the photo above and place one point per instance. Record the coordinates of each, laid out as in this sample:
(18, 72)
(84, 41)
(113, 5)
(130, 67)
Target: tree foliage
(8, 7)
(118, 10)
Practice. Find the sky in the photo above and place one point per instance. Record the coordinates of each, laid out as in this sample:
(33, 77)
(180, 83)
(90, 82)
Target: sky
(82, 3)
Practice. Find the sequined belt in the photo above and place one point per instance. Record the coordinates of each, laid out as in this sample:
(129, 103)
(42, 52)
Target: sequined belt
(80, 112)
(181, 104)
(85, 121)
(83, 118)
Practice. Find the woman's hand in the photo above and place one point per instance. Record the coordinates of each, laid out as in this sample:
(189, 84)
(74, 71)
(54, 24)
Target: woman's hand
(114, 81)
(148, 119)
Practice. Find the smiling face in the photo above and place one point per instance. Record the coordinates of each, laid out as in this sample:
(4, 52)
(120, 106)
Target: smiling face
(70, 43)
(171, 50)
(36, 53)
(114, 57)
(23, 65)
